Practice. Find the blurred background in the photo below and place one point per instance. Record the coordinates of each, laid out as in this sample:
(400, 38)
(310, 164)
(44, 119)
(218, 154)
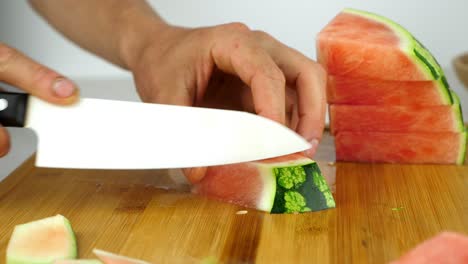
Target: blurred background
(440, 25)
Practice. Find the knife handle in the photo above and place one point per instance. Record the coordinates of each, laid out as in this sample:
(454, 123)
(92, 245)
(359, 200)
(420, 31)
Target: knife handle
(13, 109)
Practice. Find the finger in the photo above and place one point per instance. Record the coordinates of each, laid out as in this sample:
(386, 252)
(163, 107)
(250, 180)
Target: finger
(291, 108)
(238, 54)
(4, 142)
(195, 175)
(20, 71)
(294, 118)
(309, 78)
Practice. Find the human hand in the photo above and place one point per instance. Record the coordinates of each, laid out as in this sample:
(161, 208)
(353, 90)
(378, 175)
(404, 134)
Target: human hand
(230, 66)
(20, 71)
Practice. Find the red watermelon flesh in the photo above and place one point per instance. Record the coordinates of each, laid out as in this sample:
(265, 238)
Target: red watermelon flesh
(367, 91)
(361, 44)
(237, 177)
(445, 248)
(441, 148)
(396, 118)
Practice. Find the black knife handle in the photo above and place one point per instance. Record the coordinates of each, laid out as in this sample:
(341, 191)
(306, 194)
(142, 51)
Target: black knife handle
(13, 109)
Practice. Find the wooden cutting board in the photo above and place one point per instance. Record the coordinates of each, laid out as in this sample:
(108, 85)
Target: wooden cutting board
(382, 211)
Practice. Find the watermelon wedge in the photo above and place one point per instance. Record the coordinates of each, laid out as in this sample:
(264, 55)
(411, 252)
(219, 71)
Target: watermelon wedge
(287, 184)
(397, 118)
(111, 258)
(445, 248)
(441, 148)
(42, 242)
(366, 91)
(361, 44)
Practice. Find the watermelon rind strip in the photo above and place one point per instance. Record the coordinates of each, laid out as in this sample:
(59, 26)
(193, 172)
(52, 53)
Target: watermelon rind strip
(267, 198)
(444, 90)
(460, 125)
(104, 255)
(409, 44)
(74, 247)
(464, 141)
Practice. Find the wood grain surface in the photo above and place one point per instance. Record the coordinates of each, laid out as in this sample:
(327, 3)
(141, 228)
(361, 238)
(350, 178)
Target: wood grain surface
(382, 211)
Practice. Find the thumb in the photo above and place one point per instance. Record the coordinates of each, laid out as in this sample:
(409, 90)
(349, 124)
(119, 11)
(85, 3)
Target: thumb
(4, 142)
(20, 71)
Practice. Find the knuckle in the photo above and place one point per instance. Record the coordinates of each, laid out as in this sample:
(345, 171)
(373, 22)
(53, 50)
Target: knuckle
(263, 36)
(237, 27)
(7, 55)
(314, 68)
(274, 73)
(320, 70)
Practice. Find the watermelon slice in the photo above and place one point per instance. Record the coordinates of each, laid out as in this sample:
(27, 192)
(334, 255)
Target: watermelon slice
(360, 44)
(111, 258)
(42, 241)
(397, 118)
(445, 248)
(366, 91)
(442, 148)
(287, 184)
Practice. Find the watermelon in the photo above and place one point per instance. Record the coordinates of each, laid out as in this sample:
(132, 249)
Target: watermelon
(367, 91)
(397, 118)
(111, 258)
(42, 242)
(361, 44)
(389, 147)
(444, 248)
(287, 184)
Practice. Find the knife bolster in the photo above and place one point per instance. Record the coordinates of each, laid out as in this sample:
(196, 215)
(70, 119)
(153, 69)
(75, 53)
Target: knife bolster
(13, 109)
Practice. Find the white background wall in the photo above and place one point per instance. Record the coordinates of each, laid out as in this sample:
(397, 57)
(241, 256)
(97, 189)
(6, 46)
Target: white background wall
(441, 25)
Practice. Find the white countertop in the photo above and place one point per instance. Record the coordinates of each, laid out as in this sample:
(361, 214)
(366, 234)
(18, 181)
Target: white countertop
(24, 141)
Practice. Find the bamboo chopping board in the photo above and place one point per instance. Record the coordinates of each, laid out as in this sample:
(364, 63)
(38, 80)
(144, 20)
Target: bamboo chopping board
(382, 211)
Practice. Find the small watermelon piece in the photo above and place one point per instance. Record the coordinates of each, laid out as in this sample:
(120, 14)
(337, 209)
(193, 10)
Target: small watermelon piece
(365, 45)
(287, 184)
(111, 258)
(445, 248)
(397, 118)
(437, 148)
(78, 261)
(367, 91)
(42, 242)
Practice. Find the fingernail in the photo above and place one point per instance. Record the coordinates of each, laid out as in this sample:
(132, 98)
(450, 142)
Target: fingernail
(313, 148)
(63, 88)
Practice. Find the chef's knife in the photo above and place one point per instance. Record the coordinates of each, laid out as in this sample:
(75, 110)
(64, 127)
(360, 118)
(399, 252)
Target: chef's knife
(110, 134)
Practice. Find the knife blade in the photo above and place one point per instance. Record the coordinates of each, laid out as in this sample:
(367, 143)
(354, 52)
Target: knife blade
(112, 134)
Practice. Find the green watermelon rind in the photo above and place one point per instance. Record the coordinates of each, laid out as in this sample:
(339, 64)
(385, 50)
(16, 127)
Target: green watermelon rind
(464, 141)
(313, 193)
(269, 181)
(445, 91)
(72, 254)
(458, 112)
(409, 44)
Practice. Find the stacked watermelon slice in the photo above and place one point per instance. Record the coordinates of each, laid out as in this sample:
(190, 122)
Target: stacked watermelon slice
(389, 100)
